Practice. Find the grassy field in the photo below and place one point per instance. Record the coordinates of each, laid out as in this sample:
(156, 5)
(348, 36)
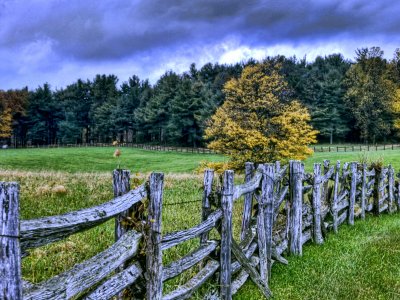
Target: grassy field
(361, 262)
(97, 159)
(143, 161)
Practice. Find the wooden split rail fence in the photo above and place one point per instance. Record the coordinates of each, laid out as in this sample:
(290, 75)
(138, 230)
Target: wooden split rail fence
(284, 207)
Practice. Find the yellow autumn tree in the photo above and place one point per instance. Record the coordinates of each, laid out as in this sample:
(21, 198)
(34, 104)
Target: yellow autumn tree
(5, 123)
(258, 122)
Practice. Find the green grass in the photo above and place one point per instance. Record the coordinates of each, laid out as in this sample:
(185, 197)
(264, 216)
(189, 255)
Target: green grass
(361, 262)
(97, 159)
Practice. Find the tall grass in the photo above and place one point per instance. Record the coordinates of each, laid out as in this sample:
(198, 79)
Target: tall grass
(361, 262)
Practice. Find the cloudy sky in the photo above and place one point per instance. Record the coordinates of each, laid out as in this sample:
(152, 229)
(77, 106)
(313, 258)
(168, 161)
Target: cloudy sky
(59, 41)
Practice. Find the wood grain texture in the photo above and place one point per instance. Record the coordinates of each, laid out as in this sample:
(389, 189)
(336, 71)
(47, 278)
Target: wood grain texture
(247, 187)
(335, 199)
(206, 204)
(84, 275)
(248, 201)
(226, 236)
(316, 204)
(10, 251)
(39, 232)
(353, 190)
(174, 238)
(296, 175)
(186, 290)
(177, 267)
(116, 283)
(251, 270)
(154, 266)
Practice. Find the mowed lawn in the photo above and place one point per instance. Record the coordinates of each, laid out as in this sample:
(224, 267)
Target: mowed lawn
(361, 262)
(100, 159)
(97, 159)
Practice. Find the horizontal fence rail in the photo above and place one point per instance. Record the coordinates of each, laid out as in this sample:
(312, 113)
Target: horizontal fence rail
(283, 208)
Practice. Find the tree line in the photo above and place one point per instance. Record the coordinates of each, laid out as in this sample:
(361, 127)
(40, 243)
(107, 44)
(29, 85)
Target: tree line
(348, 101)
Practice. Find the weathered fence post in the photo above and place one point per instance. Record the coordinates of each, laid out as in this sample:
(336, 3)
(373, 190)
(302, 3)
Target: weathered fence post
(316, 203)
(268, 193)
(153, 242)
(353, 190)
(121, 185)
(336, 197)
(226, 235)
(248, 201)
(377, 184)
(325, 184)
(206, 205)
(10, 251)
(391, 188)
(364, 191)
(296, 176)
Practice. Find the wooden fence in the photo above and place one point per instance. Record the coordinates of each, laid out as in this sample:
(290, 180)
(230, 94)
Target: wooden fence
(284, 207)
(132, 145)
(353, 148)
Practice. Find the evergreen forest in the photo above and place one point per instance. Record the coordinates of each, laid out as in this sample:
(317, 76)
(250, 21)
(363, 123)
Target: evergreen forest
(349, 101)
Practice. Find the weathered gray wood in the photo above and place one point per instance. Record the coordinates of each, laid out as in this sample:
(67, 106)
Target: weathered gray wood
(39, 232)
(247, 187)
(247, 265)
(316, 203)
(376, 193)
(248, 201)
(383, 207)
(84, 275)
(370, 184)
(306, 237)
(154, 268)
(261, 231)
(186, 290)
(279, 173)
(206, 204)
(10, 252)
(296, 174)
(342, 205)
(342, 218)
(121, 185)
(242, 276)
(364, 190)
(335, 199)
(398, 196)
(177, 267)
(236, 266)
(174, 238)
(116, 283)
(371, 172)
(226, 235)
(278, 199)
(353, 190)
(391, 189)
(267, 191)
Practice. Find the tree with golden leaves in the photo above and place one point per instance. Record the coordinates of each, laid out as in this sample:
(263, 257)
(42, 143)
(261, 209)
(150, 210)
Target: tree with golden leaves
(258, 121)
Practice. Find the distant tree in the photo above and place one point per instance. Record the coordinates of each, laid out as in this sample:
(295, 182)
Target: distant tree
(5, 123)
(370, 94)
(258, 121)
(184, 123)
(325, 92)
(155, 113)
(12, 110)
(44, 114)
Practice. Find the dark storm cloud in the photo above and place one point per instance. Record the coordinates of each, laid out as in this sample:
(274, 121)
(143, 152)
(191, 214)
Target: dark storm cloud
(55, 38)
(115, 29)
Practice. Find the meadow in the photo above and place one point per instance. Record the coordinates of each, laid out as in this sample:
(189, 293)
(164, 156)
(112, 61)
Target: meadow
(361, 262)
